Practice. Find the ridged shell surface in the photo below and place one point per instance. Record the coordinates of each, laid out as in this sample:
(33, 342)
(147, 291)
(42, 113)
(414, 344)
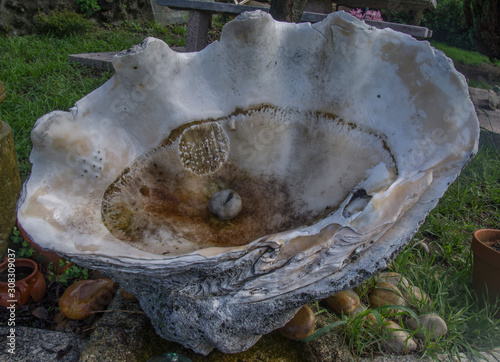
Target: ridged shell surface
(337, 137)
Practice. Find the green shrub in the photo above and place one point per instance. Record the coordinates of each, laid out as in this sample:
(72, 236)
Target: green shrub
(402, 16)
(447, 23)
(88, 7)
(62, 23)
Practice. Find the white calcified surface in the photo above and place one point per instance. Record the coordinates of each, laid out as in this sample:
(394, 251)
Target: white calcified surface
(339, 138)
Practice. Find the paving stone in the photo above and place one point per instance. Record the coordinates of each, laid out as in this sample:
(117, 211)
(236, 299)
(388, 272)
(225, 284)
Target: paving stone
(35, 345)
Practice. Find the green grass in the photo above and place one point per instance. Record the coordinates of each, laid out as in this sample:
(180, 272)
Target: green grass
(38, 77)
(447, 280)
(472, 202)
(483, 84)
(463, 56)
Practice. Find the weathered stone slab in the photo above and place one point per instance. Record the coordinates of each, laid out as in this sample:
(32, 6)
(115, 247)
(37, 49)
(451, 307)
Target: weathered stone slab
(197, 30)
(32, 345)
(104, 60)
(100, 60)
(488, 118)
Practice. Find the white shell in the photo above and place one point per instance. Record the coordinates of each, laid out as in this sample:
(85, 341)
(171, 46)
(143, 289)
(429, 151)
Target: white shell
(339, 138)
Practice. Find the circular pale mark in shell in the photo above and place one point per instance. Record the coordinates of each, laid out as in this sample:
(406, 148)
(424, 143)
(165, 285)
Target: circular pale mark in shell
(203, 148)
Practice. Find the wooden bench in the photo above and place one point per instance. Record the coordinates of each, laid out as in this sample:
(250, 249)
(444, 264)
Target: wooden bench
(200, 16)
(392, 5)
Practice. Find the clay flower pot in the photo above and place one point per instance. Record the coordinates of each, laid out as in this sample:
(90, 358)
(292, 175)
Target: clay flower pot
(486, 262)
(29, 282)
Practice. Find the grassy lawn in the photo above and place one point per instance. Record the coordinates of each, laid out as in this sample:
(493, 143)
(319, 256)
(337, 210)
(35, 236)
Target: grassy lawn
(464, 56)
(480, 71)
(472, 202)
(39, 79)
(444, 272)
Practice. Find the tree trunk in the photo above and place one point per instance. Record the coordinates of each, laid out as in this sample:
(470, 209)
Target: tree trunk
(483, 19)
(287, 10)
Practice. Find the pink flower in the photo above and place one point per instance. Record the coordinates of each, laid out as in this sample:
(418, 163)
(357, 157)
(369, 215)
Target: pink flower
(357, 13)
(369, 15)
(373, 15)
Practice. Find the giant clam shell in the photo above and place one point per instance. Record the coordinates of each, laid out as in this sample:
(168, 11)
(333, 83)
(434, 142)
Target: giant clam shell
(339, 138)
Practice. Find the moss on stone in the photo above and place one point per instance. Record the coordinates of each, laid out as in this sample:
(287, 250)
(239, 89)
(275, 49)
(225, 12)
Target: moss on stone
(10, 181)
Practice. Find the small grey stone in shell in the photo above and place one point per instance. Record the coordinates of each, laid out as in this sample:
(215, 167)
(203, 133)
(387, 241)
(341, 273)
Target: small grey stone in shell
(226, 204)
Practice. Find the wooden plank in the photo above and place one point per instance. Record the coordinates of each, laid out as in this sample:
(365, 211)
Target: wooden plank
(209, 6)
(392, 5)
(416, 31)
(212, 7)
(226, 8)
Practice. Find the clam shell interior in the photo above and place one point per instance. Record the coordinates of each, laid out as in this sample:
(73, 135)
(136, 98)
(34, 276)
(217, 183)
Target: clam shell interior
(318, 127)
(290, 168)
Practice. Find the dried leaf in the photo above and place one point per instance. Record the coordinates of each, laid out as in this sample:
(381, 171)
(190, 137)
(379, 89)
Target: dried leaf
(41, 313)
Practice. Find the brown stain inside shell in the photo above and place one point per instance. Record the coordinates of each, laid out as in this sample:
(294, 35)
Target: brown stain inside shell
(160, 202)
(181, 206)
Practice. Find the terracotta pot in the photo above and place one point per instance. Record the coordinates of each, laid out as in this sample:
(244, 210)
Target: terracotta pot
(486, 263)
(29, 282)
(45, 257)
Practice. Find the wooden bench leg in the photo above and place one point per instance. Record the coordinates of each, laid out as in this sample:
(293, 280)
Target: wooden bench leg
(197, 30)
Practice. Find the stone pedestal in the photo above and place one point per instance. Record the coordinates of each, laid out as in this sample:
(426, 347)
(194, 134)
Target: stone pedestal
(10, 182)
(198, 24)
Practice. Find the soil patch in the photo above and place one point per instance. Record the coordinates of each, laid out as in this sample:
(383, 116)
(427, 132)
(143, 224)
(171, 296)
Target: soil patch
(485, 72)
(496, 246)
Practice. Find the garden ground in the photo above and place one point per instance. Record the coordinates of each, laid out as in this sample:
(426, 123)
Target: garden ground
(38, 79)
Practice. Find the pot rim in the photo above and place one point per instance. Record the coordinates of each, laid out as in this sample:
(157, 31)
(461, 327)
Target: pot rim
(18, 263)
(481, 240)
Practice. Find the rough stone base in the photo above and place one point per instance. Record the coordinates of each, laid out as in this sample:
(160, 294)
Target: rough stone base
(10, 184)
(127, 335)
(33, 344)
